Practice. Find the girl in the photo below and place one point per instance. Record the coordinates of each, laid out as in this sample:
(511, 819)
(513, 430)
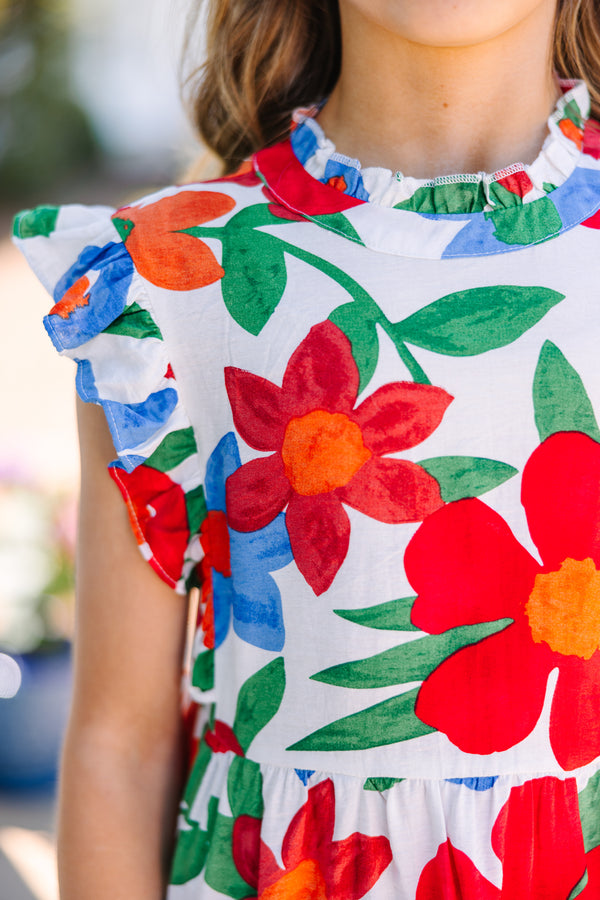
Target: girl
(356, 403)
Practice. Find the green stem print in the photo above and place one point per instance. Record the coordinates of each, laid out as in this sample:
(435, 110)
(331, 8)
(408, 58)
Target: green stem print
(465, 323)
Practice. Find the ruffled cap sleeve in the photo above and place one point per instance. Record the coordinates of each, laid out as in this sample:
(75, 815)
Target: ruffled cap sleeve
(102, 318)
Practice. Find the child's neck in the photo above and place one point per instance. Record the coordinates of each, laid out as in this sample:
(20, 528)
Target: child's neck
(429, 111)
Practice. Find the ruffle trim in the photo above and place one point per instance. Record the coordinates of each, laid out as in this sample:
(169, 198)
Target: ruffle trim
(461, 193)
(103, 320)
(243, 825)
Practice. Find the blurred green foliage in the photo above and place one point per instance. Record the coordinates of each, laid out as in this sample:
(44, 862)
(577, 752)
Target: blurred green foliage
(45, 136)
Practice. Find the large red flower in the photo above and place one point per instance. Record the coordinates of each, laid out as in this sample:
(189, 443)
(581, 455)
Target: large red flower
(162, 253)
(537, 837)
(327, 453)
(158, 515)
(315, 867)
(467, 567)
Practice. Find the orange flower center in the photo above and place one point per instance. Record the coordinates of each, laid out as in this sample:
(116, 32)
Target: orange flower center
(305, 882)
(322, 451)
(564, 608)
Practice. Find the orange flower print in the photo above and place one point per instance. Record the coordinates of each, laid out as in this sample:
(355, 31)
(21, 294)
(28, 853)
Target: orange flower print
(162, 252)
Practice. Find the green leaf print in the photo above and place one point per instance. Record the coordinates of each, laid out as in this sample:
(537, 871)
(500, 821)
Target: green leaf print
(195, 503)
(458, 197)
(192, 847)
(478, 319)
(411, 661)
(361, 332)
(39, 222)
(581, 884)
(560, 400)
(173, 450)
(380, 784)
(527, 224)
(244, 788)
(589, 804)
(258, 700)
(388, 722)
(393, 615)
(255, 277)
(221, 872)
(466, 476)
(339, 223)
(135, 322)
(203, 672)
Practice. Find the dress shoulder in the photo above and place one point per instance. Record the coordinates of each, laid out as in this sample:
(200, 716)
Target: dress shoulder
(98, 264)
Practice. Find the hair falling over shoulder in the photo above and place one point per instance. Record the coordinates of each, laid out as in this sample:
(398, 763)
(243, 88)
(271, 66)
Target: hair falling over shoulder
(264, 58)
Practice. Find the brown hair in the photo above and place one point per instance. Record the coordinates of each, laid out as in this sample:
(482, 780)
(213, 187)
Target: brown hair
(266, 57)
(577, 45)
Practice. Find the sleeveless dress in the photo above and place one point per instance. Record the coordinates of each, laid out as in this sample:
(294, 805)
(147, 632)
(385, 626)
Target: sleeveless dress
(360, 413)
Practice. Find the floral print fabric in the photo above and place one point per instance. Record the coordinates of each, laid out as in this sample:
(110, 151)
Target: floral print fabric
(365, 435)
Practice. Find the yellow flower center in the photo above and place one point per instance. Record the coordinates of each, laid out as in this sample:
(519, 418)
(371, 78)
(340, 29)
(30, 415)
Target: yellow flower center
(564, 608)
(322, 451)
(305, 882)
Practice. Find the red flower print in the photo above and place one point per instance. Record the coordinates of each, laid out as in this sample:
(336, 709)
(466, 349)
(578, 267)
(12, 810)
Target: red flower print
(327, 453)
(221, 739)
(518, 183)
(537, 837)
(467, 567)
(282, 212)
(315, 867)
(158, 515)
(161, 252)
(591, 138)
(214, 539)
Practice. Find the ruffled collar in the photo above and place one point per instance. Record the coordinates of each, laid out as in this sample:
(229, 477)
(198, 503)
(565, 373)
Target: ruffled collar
(462, 193)
(456, 215)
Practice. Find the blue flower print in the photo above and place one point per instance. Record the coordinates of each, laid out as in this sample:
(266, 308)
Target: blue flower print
(90, 295)
(246, 591)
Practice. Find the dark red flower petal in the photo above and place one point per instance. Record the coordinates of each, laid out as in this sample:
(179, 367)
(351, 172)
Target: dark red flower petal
(277, 209)
(221, 739)
(561, 495)
(400, 415)
(312, 827)
(260, 408)
(467, 567)
(488, 697)
(245, 848)
(319, 531)
(256, 493)
(351, 867)
(392, 490)
(537, 837)
(574, 719)
(451, 875)
(321, 373)
(591, 138)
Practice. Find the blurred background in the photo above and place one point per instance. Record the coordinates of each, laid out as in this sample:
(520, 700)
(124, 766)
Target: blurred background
(89, 112)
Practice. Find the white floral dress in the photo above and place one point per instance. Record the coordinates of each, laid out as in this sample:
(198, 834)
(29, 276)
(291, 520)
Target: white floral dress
(360, 413)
